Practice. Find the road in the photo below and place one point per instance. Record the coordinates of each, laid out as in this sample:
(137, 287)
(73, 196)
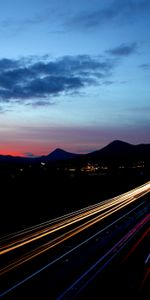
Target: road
(61, 258)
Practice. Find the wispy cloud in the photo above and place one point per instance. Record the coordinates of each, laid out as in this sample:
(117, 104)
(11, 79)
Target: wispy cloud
(123, 50)
(28, 154)
(76, 139)
(108, 82)
(19, 23)
(145, 66)
(141, 110)
(117, 10)
(39, 80)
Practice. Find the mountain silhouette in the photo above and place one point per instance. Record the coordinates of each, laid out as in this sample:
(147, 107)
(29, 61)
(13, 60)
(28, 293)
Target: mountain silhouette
(116, 150)
(60, 154)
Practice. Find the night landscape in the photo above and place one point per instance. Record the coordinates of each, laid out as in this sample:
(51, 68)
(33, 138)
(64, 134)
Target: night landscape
(75, 149)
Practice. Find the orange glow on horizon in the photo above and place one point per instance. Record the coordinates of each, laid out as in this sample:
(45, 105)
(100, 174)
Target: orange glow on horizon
(11, 153)
(24, 150)
(35, 148)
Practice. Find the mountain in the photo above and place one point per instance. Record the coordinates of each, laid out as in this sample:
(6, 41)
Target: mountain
(114, 148)
(119, 150)
(115, 151)
(13, 159)
(57, 155)
(60, 154)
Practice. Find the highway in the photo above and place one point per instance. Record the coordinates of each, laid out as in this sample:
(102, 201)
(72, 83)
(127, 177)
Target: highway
(66, 254)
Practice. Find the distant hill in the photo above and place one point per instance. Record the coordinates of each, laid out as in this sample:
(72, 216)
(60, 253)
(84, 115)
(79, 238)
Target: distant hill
(60, 154)
(13, 159)
(119, 150)
(115, 151)
(56, 155)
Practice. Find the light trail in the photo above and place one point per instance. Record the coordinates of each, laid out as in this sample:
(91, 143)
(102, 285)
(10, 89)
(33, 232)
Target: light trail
(62, 218)
(53, 221)
(76, 288)
(66, 216)
(68, 252)
(60, 239)
(68, 220)
(145, 234)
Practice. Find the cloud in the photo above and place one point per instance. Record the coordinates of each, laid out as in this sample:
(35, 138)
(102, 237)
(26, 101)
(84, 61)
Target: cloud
(36, 80)
(123, 50)
(7, 64)
(141, 109)
(144, 66)
(108, 82)
(114, 11)
(79, 139)
(28, 154)
(36, 19)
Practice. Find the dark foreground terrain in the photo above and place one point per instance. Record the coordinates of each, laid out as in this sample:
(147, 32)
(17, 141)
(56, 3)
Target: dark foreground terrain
(108, 259)
(37, 193)
(114, 260)
(37, 189)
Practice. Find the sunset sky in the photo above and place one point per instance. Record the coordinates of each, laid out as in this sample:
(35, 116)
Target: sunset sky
(74, 74)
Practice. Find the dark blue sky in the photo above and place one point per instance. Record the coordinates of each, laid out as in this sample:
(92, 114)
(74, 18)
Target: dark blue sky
(73, 74)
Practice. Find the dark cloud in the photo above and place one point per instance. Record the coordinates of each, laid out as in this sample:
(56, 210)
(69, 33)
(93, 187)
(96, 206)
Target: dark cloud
(8, 64)
(123, 50)
(29, 79)
(117, 10)
(108, 82)
(144, 66)
(28, 154)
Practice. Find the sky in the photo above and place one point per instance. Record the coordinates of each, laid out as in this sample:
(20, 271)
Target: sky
(73, 74)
